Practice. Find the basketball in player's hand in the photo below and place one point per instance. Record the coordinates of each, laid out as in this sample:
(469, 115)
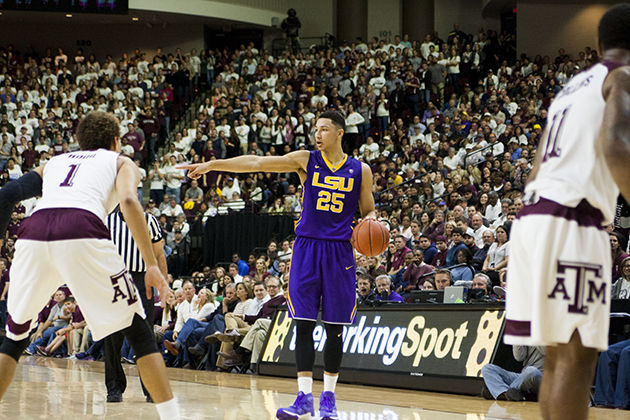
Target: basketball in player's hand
(370, 238)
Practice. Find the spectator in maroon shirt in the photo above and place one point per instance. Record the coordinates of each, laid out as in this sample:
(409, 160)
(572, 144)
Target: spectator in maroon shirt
(13, 226)
(399, 255)
(439, 260)
(150, 125)
(415, 271)
(29, 156)
(77, 321)
(436, 227)
(4, 291)
(135, 139)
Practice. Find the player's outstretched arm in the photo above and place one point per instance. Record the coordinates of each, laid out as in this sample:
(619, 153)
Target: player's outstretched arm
(27, 186)
(614, 135)
(126, 187)
(291, 162)
(366, 199)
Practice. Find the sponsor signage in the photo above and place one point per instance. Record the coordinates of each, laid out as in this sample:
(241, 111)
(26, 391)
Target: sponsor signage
(410, 341)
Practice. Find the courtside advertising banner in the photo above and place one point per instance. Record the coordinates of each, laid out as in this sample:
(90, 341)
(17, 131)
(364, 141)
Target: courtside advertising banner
(409, 341)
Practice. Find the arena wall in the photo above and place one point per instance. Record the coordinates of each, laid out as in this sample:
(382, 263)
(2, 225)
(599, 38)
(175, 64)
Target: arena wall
(543, 28)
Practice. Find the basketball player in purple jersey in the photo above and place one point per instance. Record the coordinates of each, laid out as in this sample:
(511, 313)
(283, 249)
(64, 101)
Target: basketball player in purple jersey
(66, 241)
(323, 265)
(558, 288)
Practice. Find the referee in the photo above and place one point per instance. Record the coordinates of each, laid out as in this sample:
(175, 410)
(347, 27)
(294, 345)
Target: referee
(115, 380)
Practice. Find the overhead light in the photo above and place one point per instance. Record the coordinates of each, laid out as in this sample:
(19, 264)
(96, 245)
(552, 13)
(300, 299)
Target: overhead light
(68, 15)
(135, 19)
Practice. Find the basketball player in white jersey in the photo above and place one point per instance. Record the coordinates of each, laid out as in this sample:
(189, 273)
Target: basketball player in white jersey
(66, 241)
(558, 283)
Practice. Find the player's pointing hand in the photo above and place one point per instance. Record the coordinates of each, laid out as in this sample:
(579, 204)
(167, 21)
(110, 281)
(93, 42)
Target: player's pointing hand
(196, 170)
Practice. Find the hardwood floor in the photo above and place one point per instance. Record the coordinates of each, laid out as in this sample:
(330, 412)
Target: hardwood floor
(45, 387)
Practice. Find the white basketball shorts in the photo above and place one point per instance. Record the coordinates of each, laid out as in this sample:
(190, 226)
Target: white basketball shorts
(558, 276)
(90, 266)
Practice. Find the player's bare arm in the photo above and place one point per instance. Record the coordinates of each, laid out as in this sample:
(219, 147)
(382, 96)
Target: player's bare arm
(366, 199)
(126, 188)
(539, 153)
(614, 136)
(291, 162)
(158, 250)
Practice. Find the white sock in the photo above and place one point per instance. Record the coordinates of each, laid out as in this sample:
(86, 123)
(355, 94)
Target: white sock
(305, 384)
(329, 382)
(168, 410)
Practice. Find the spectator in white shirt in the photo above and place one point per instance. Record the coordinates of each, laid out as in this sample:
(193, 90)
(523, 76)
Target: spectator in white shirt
(369, 149)
(232, 187)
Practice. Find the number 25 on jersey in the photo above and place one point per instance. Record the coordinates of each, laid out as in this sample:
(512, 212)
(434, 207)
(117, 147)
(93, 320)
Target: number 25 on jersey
(327, 201)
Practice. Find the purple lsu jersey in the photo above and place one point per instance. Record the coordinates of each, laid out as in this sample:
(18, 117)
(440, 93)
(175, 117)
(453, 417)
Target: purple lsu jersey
(330, 198)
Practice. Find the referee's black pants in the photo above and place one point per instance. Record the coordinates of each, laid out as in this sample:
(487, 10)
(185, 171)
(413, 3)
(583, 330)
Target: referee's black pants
(115, 379)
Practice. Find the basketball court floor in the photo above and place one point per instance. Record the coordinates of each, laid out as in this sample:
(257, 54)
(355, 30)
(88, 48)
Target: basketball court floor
(45, 388)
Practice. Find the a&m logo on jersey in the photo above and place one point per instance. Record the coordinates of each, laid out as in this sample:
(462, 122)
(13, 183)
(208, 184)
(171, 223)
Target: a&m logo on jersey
(122, 282)
(327, 201)
(587, 285)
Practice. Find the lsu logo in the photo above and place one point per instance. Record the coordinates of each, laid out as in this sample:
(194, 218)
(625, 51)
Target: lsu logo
(336, 183)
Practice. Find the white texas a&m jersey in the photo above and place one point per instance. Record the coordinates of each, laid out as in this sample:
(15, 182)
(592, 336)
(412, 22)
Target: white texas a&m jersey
(83, 180)
(572, 166)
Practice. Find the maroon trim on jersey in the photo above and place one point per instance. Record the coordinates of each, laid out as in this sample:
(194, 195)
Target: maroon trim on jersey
(611, 65)
(17, 329)
(584, 214)
(518, 328)
(59, 224)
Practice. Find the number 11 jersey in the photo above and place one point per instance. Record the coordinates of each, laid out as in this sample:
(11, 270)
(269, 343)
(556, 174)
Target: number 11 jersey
(573, 167)
(83, 180)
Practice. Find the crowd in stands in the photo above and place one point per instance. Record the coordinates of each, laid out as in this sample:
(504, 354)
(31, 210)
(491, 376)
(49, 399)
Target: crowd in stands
(449, 127)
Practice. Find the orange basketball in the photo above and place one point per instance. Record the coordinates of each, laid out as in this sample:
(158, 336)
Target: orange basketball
(370, 238)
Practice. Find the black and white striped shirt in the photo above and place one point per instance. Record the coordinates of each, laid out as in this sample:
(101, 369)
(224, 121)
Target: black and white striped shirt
(126, 246)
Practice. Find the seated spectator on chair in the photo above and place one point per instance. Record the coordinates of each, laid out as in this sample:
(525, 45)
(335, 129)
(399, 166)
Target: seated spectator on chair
(399, 254)
(415, 271)
(480, 256)
(233, 272)
(501, 384)
(56, 321)
(442, 278)
(197, 343)
(458, 243)
(194, 193)
(200, 310)
(243, 268)
(285, 251)
(428, 284)
(612, 378)
(173, 209)
(252, 343)
(439, 260)
(64, 334)
(165, 318)
(384, 290)
(365, 290)
(465, 271)
(184, 309)
(469, 241)
(617, 247)
(428, 249)
(621, 288)
(482, 282)
(498, 253)
(233, 319)
(4, 292)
